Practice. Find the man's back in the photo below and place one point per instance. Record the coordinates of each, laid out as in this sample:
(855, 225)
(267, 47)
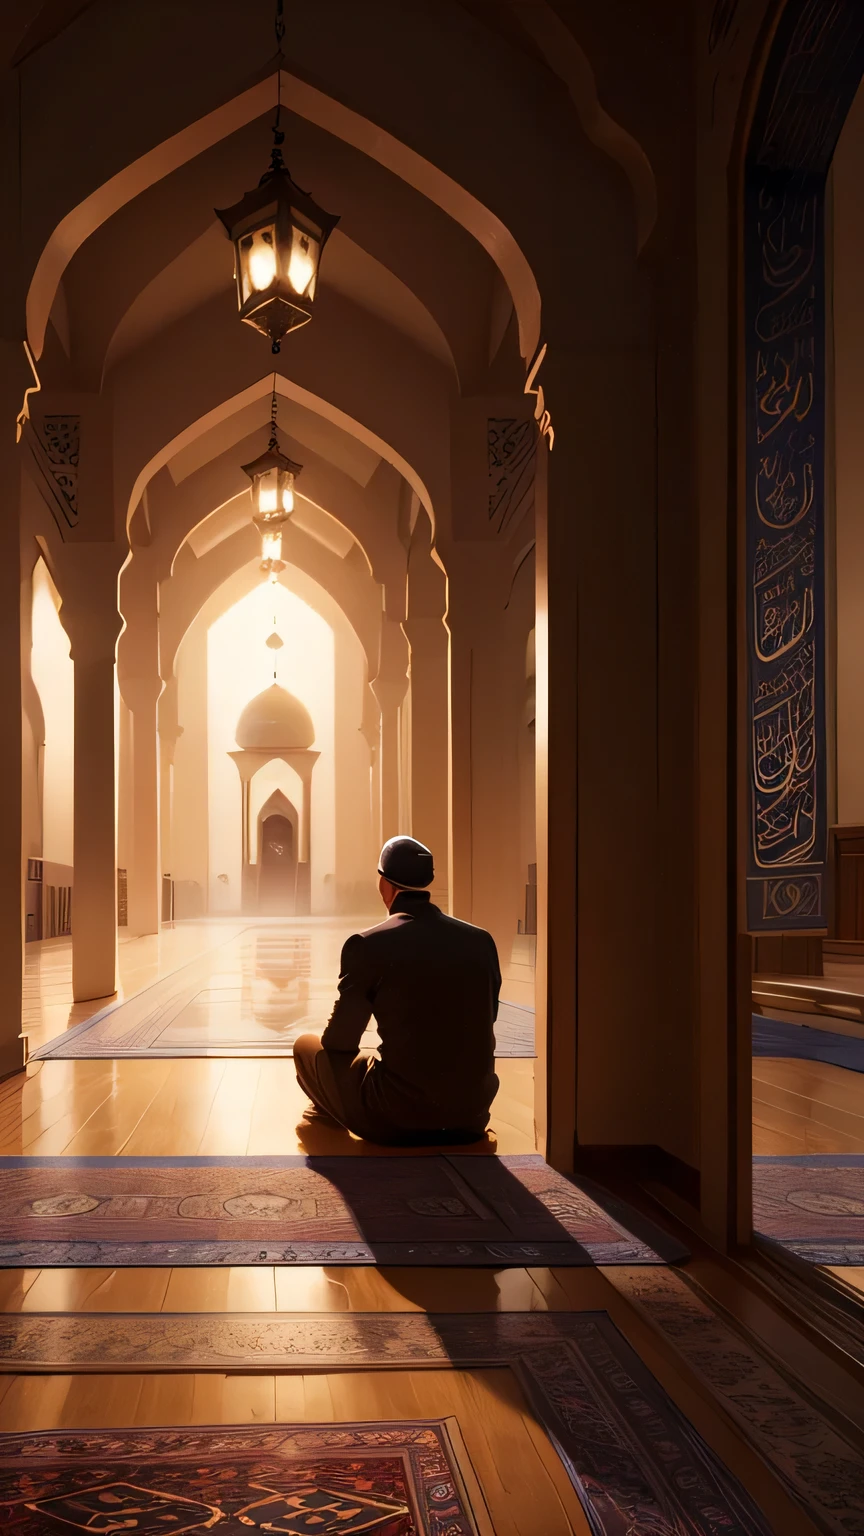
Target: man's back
(432, 983)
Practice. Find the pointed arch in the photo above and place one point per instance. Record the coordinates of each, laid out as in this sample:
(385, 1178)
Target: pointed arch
(325, 112)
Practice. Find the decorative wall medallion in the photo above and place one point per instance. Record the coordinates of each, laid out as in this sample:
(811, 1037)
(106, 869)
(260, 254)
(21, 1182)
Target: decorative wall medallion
(512, 444)
(61, 436)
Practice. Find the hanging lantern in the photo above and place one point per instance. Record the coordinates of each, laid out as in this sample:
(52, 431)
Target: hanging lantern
(278, 232)
(272, 475)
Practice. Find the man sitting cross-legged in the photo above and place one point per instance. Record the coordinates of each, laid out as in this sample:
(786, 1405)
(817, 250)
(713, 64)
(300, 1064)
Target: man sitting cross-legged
(432, 985)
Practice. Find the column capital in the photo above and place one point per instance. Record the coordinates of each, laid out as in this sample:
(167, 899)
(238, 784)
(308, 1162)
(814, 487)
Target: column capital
(140, 691)
(389, 692)
(87, 577)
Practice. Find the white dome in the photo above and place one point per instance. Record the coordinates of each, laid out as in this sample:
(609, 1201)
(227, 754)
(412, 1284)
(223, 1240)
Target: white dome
(275, 721)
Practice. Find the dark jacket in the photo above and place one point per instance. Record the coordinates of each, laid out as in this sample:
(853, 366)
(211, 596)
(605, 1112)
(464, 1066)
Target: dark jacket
(432, 984)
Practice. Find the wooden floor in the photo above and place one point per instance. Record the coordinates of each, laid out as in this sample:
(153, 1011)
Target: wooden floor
(808, 1107)
(224, 1107)
(236, 1107)
(801, 1107)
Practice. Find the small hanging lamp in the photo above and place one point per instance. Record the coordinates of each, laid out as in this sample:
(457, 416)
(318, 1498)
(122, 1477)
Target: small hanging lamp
(278, 232)
(272, 475)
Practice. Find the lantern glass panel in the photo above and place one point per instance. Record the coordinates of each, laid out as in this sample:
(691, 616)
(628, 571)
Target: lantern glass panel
(274, 492)
(303, 261)
(268, 491)
(258, 264)
(271, 545)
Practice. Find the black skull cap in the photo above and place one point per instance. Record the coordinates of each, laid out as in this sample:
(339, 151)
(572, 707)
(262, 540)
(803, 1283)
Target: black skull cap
(406, 863)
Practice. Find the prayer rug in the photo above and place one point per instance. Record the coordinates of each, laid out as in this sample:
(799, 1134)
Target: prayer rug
(180, 1018)
(250, 996)
(635, 1461)
(813, 1206)
(499, 1212)
(361, 1479)
(775, 1037)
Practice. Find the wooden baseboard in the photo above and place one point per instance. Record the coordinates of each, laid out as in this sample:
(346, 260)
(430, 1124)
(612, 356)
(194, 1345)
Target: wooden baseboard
(642, 1163)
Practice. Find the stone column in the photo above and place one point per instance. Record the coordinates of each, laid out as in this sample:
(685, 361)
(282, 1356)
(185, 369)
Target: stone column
(170, 732)
(598, 765)
(92, 621)
(389, 688)
(141, 686)
(304, 762)
(371, 730)
(144, 873)
(487, 682)
(556, 813)
(428, 732)
(14, 379)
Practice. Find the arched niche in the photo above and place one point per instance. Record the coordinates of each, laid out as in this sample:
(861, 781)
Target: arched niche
(179, 428)
(277, 847)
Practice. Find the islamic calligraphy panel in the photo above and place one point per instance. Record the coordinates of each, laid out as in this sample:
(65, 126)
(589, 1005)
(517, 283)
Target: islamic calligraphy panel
(815, 65)
(786, 544)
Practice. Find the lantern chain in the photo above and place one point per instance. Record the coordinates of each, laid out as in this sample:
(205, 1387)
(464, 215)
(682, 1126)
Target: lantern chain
(276, 161)
(274, 406)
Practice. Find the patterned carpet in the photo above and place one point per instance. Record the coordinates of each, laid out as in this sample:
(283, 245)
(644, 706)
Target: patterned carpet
(604, 1443)
(456, 1210)
(814, 1206)
(380, 1479)
(635, 1461)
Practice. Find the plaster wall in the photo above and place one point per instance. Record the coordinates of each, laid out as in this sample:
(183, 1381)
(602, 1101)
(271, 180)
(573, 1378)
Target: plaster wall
(52, 671)
(32, 725)
(848, 328)
(31, 800)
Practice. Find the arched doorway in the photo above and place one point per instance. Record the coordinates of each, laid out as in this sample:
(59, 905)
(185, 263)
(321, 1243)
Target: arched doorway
(277, 857)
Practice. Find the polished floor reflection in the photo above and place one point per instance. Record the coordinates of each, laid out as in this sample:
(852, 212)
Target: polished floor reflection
(245, 991)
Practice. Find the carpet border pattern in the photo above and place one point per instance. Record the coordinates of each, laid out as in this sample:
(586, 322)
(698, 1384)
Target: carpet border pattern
(434, 1464)
(569, 1223)
(821, 1469)
(634, 1459)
